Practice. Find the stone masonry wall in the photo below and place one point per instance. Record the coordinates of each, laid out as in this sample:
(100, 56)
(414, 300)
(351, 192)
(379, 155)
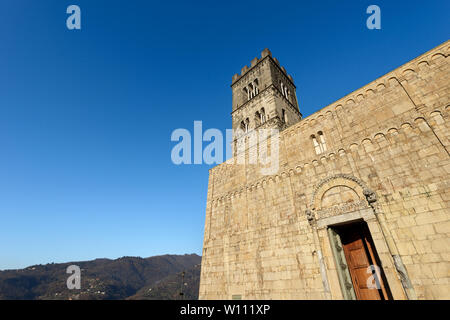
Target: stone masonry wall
(394, 135)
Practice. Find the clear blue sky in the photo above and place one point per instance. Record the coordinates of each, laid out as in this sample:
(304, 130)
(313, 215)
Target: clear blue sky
(86, 116)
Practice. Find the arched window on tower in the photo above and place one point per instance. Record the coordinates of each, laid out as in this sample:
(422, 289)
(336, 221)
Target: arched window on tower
(258, 118)
(284, 117)
(246, 92)
(285, 91)
(263, 115)
(243, 126)
(251, 89)
(256, 86)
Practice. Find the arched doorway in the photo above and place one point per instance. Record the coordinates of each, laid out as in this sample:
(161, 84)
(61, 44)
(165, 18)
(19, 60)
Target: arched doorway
(341, 210)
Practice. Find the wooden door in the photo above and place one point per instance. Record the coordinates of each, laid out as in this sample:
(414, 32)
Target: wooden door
(361, 259)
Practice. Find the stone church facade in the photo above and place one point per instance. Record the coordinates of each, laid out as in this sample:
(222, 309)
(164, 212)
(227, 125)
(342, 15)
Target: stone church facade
(359, 208)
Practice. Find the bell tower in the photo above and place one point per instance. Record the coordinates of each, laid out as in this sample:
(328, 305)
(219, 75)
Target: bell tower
(264, 96)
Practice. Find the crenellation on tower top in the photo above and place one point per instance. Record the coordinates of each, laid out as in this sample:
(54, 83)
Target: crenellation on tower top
(254, 62)
(264, 54)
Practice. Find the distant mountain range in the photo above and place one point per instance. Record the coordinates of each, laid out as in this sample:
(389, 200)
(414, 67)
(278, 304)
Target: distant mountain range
(160, 277)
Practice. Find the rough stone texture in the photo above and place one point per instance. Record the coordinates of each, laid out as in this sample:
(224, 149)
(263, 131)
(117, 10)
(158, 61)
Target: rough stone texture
(390, 136)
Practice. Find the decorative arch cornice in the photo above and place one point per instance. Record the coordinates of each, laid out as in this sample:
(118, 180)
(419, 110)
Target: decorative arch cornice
(340, 151)
(342, 179)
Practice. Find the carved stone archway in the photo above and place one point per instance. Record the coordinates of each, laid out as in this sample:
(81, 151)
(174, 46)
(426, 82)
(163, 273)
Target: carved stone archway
(363, 206)
(363, 201)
